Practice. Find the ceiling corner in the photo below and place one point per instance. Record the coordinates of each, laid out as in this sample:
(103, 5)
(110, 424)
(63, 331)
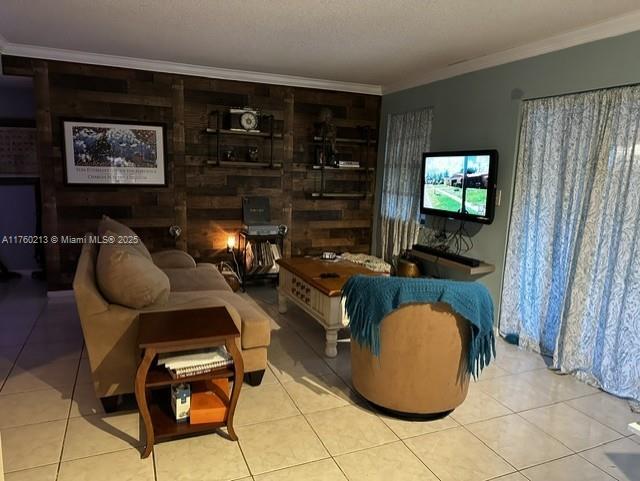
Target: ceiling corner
(611, 27)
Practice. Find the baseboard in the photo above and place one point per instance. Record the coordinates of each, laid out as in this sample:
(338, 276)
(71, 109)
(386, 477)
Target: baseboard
(63, 294)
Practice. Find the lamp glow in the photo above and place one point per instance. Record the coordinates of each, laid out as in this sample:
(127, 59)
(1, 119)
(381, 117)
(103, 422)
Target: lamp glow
(231, 243)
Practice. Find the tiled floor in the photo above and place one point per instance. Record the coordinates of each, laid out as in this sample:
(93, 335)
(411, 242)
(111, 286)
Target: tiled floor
(519, 422)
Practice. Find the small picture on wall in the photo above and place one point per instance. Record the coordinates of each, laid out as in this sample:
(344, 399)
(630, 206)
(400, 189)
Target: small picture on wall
(114, 153)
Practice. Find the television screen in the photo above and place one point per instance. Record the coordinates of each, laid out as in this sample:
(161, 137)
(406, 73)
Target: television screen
(460, 185)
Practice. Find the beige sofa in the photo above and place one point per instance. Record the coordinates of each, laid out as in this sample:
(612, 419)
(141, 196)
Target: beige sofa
(110, 329)
(422, 367)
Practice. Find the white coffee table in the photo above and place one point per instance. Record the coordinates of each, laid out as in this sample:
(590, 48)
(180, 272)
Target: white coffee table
(304, 282)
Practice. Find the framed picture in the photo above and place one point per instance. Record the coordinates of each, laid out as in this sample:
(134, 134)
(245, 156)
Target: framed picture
(114, 153)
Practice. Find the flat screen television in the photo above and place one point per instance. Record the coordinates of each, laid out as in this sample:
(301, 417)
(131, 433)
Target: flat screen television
(460, 185)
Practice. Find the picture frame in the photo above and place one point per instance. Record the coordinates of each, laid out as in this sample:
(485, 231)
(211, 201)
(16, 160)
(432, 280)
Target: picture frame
(109, 152)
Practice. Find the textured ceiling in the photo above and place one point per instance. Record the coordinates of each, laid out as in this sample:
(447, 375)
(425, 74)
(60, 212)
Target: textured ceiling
(366, 41)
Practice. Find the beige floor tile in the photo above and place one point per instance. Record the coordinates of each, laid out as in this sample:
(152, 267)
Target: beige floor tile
(515, 360)
(34, 445)
(341, 365)
(37, 354)
(457, 455)
(85, 402)
(383, 463)
(518, 394)
(202, 458)
(263, 403)
(11, 336)
(120, 466)
(57, 375)
(287, 346)
(268, 378)
(350, 428)
(317, 393)
(607, 409)
(34, 407)
(621, 459)
(569, 426)
(512, 477)
(324, 470)
(492, 371)
(8, 357)
(570, 468)
(279, 444)
(54, 332)
(635, 438)
(93, 435)
(287, 370)
(478, 406)
(84, 372)
(561, 386)
(408, 429)
(518, 441)
(43, 473)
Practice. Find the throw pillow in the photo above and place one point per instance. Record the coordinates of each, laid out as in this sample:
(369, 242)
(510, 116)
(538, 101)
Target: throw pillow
(128, 278)
(117, 228)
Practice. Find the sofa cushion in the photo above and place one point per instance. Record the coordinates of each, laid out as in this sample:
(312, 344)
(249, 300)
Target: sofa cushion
(256, 325)
(199, 278)
(117, 228)
(128, 278)
(173, 258)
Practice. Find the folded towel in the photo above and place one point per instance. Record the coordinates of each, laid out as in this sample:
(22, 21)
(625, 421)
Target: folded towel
(368, 299)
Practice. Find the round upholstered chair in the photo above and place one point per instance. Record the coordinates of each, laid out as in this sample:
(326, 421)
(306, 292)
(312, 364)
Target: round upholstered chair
(421, 371)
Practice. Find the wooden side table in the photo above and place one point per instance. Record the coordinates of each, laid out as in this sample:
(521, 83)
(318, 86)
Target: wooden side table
(175, 331)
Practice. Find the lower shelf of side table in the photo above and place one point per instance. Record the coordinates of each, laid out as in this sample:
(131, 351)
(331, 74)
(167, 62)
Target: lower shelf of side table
(164, 422)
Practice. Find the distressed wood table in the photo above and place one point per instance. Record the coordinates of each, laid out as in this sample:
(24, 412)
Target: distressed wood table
(315, 286)
(175, 331)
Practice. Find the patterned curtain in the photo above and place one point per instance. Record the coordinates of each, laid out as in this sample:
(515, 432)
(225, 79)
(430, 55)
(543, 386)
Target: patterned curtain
(572, 277)
(408, 136)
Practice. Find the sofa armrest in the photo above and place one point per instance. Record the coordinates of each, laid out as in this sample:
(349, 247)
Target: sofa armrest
(173, 258)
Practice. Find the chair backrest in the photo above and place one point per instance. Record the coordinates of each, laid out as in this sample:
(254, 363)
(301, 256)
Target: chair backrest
(422, 367)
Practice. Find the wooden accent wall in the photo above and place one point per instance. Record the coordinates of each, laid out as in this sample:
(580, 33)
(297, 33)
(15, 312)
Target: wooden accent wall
(204, 200)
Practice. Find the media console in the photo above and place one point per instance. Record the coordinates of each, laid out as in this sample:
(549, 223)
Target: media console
(483, 268)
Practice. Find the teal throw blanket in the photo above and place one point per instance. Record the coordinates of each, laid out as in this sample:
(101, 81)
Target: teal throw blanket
(368, 299)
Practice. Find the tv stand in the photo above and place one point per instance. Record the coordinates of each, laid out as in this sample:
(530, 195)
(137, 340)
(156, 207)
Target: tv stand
(482, 269)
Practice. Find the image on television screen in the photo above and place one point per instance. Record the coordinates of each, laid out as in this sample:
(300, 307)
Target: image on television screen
(457, 184)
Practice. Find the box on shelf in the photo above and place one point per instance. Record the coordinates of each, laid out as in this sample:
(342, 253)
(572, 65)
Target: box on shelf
(209, 401)
(181, 401)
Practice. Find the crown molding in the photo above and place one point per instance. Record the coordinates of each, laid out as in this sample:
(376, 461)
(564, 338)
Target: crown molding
(608, 28)
(34, 51)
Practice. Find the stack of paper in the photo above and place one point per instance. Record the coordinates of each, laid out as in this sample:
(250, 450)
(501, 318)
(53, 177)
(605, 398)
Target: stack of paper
(191, 363)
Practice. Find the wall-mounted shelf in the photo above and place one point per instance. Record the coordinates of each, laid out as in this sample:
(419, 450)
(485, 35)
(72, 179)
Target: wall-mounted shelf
(243, 133)
(328, 159)
(237, 163)
(217, 132)
(337, 195)
(342, 169)
(343, 140)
